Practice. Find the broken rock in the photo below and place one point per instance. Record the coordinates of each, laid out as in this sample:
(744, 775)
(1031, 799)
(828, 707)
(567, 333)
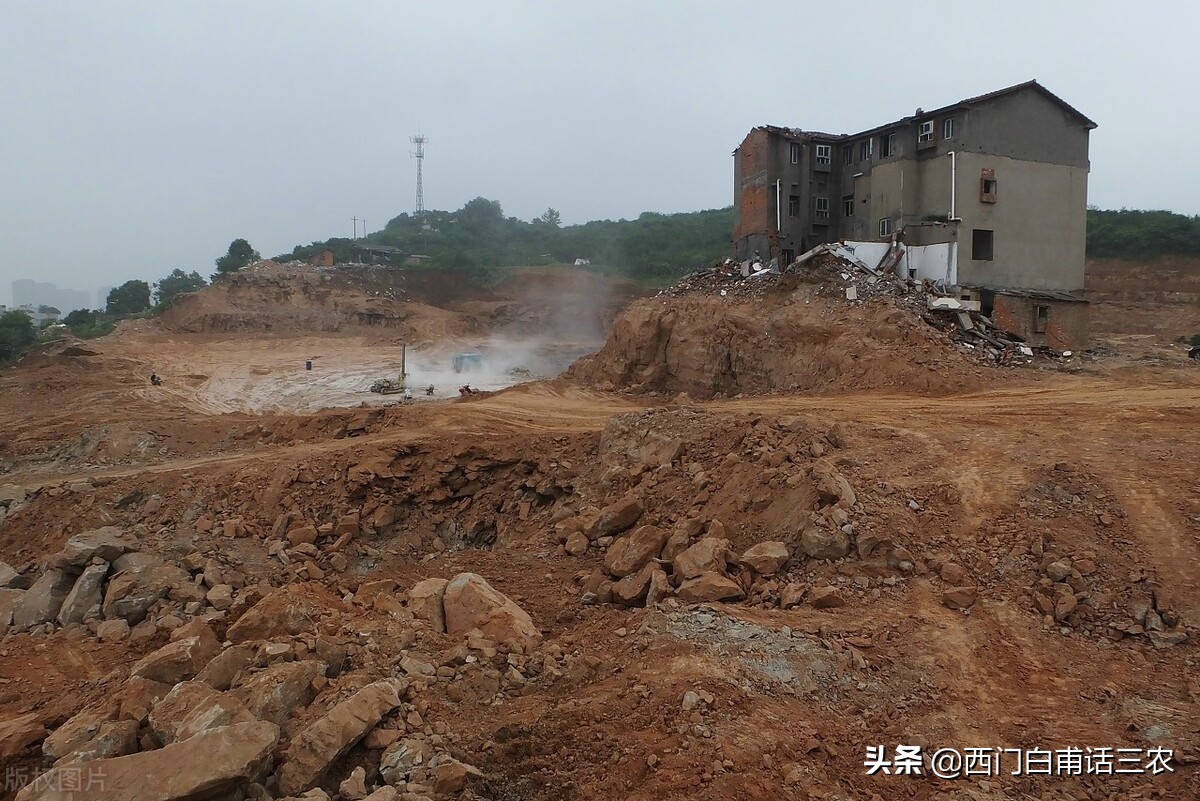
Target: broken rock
(425, 601)
(616, 518)
(133, 590)
(176, 661)
(42, 602)
(709, 555)
(959, 597)
(471, 603)
(766, 558)
(205, 766)
(83, 601)
(313, 750)
(709, 587)
(632, 552)
(827, 598)
(106, 543)
(823, 543)
(192, 707)
(278, 692)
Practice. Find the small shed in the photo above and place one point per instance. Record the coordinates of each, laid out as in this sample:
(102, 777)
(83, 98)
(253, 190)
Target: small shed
(1054, 319)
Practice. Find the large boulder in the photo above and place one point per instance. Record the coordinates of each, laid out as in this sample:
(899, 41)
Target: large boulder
(425, 602)
(75, 733)
(633, 589)
(616, 517)
(709, 555)
(832, 487)
(709, 587)
(285, 612)
(192, 707)
(223, 668)
(279, 692)
(632, 552)
(820, 542)
(317, 747)
(402, 758)
(9, 599)
(176, 661)
(208, 765)
(41, 602)
(83, 601)
(18, 733)
(10, 579)
(765, 558)
(106, 543)
(115, 738)
(136, 588)
(471, 603)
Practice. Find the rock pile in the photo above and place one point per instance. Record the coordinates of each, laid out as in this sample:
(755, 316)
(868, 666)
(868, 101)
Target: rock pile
(273, 710)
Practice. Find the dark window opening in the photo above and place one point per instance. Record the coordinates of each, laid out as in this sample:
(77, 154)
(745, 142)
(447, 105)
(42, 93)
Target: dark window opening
(987, 303)
(848, 154)
(788, 256)
(848, 206)
(795, 153)
(887, 145)
(1041, 317)
(793, 205)
(982, 244)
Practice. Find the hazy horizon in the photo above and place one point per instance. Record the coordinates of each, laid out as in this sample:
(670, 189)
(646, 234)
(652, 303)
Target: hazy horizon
(145, 136)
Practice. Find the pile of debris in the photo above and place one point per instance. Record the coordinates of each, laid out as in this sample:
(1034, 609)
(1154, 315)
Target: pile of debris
(835, 266)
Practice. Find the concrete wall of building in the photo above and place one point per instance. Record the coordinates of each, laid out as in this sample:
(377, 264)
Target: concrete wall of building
(1025, 125)
(1066, 322)
(1039, 222)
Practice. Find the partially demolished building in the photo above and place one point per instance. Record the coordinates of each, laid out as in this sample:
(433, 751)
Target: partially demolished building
(988, 195)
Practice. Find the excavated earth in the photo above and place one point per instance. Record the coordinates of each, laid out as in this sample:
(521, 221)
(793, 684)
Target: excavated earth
(732, 550)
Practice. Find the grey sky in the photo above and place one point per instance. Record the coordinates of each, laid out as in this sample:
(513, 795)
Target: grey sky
(136, 137)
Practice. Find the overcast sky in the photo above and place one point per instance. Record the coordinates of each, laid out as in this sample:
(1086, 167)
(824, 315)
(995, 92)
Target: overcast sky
(136, 137)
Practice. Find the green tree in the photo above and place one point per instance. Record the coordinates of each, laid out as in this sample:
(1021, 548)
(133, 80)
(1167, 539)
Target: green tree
(16, 334)
(176, 283)
(130, 297)
(238, 256)
(550, 217)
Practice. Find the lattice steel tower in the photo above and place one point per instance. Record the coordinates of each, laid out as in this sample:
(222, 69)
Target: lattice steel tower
(419, 155)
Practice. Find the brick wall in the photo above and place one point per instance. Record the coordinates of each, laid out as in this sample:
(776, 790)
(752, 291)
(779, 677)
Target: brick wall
(1066, 324)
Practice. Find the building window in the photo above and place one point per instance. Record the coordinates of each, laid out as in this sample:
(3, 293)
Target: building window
(822, 205)
(793, 205)
(848, 206)
(948, 128)
(982, 242)
(1041, 317)
(795, 153)
(824, 154)
(885, 226)
(925, 132)
(887, 145)
(864, 150)
(848, 154)
(788, 256)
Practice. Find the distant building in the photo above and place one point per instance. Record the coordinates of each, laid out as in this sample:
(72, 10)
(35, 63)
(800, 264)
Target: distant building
(378, 254)
(998, 181)
(323, 258)
(39, 314)
(29, 293)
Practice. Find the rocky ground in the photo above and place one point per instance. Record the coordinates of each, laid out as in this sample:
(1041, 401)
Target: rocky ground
(557, 592)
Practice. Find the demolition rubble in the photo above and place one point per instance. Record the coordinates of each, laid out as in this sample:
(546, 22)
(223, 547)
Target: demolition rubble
(840, 272)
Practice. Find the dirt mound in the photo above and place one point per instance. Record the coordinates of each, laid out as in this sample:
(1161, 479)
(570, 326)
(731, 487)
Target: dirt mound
(299, 299)
(1160, 297)
(793, 337)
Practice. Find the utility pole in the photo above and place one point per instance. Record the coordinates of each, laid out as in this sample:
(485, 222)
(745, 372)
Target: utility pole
(354, 235)
(419, 155)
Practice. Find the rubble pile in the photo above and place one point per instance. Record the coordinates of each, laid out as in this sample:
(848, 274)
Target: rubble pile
(463, 618)
(837, 271)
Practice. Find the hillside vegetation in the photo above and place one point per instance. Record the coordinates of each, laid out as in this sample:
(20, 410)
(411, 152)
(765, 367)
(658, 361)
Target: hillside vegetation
(660, 247)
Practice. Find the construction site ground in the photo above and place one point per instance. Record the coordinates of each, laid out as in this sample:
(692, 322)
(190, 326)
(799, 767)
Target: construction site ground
(1099, 463)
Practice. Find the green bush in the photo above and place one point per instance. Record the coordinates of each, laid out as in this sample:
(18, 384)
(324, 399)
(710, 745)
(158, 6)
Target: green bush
(17, 333)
